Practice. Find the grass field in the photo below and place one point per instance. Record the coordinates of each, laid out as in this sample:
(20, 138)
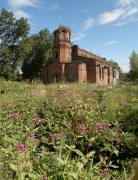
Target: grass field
(68, 131)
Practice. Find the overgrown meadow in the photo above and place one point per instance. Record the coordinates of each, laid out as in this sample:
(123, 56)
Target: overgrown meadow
(68, 132)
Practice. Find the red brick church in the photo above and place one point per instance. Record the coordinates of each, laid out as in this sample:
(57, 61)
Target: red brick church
(73, 64)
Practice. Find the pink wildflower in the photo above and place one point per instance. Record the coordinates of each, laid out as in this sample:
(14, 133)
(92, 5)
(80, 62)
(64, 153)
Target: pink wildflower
(22, 147)
(34, 159)
(99, 126)
(118, 143)
(31, 135)
(82, 128)
(14, 115)
(109, 125)
(44, 178)
(105, 171)
(53, 138)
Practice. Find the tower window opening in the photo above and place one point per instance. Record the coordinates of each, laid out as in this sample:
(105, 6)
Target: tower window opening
(108, 72)
(102, 72)
(114, 73)
(68, 55)
(56, 36)
(99, 72)
(56, 55)
(63, 35)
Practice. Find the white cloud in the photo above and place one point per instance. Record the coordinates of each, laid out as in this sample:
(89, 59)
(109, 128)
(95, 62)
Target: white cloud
(22, 3)
(125, 11)
(125, 2)
(130, 12)
(88, 23)
(121, 23)
(107, 43)
(109, 17)
(18, 14)
(110, 42)
(54, 7)
(78, 36)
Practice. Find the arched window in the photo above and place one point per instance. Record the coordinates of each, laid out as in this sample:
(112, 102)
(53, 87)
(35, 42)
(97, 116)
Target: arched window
(63, 35)
(56, 55)
(114, 73)
(68, 56)
(102, 72)
(56, 36)
(99, 72)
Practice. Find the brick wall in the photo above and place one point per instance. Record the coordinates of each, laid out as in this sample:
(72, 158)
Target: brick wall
(53, 72)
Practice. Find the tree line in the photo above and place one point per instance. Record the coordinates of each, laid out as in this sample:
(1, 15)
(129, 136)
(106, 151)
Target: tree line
(22, 56)
(133, 73)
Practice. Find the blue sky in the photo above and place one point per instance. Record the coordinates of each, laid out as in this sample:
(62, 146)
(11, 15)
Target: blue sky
(108, 28)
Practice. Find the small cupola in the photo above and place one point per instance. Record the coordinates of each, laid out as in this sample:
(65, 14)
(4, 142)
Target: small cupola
(62, 34)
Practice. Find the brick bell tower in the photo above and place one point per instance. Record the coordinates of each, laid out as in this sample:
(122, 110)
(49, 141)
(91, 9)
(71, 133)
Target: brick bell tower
(62, 45)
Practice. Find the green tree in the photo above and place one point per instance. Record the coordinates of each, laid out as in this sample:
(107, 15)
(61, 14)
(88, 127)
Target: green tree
(113, 63)
(133, 73)
(12, 32)
(37, 52)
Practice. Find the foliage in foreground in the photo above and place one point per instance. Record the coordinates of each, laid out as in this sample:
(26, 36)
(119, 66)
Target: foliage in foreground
(67, 132)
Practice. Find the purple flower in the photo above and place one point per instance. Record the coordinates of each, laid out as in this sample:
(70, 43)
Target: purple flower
(118, 143)
(99, 126)
(22, 147)
(109, 125)
(31, 135)
(14, 115)
(82, 127)
(105, 171)
(34, 159)
(44, 178)
(53, 138)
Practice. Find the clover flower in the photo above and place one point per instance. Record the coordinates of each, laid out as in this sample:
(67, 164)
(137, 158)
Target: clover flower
(31, 135)
(99, 126)
(14, 115)
(82, 128)
(44, 178)
(118, 143)
(105, 171)
(53, 138)
(22, 147)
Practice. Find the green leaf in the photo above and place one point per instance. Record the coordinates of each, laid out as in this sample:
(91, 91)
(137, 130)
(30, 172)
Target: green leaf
(79, 165)
(13, 167)
(32, 175)
(78, 152)
(74, 175)
(60, 160)
(116, 152)
(90, 154)
(72, 147)
(113, 166)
